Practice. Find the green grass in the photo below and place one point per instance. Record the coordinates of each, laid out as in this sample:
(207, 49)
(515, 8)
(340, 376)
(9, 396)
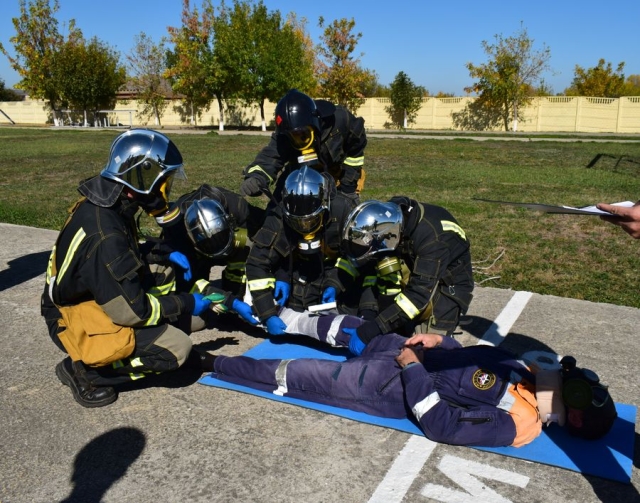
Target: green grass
(564, 255)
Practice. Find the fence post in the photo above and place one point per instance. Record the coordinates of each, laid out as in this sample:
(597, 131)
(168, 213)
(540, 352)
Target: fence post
(619, 115)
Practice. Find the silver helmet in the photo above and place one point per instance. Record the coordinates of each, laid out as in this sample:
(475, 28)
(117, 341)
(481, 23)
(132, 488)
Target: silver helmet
(209, 227)
(305, 198)
(372, 227)
(144, 160)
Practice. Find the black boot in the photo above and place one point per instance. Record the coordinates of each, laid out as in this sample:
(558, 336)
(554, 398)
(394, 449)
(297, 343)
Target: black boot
(72, 374)
(199, 361)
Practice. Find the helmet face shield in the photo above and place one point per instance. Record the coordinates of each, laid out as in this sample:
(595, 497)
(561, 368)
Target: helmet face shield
(305, 198)
(301, 138)
(143, 160)
(371, 228)
(209, 227)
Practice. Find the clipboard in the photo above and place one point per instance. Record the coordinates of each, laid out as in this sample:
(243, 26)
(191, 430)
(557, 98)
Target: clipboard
(548, 208)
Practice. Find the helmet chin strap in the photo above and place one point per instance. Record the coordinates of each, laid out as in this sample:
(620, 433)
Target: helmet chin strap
(152, 204)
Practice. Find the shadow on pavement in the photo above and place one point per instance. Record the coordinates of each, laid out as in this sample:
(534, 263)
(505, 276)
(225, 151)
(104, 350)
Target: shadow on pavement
(102, 462)
(23, 269)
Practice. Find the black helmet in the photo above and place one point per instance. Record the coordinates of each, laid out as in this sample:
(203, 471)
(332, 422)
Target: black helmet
(146, 161)
(298, 118)
(209, 227)
(305, 197)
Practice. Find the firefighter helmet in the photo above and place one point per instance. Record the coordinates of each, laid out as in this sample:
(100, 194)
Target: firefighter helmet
(305, 198)
(372, 228)
(298, 119)
(146, 161)
(209, 227)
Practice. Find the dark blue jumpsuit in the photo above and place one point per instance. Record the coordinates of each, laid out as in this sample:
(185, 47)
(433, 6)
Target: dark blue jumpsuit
(458, 396)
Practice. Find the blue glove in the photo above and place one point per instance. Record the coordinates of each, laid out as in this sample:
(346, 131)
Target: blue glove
(329, 295)
(275, 326)
(182, 262)
(244, 310)
(356, 346)
(281, 293)
(201, 304)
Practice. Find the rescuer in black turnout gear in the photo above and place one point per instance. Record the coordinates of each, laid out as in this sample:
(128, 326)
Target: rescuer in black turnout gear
(317, 133)
(100, 301)
(418, 261)
(296, 249)
(212, 226)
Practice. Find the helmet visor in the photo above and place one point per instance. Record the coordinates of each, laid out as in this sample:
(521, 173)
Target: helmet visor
(301, 138)
(308, 224)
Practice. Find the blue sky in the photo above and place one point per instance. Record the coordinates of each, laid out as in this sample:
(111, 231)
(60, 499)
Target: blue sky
(430, 41)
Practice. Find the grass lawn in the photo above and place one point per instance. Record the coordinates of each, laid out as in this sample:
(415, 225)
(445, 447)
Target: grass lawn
(564, 255)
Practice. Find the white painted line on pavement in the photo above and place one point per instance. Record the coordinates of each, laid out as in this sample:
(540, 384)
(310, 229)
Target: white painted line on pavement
(404, 470)
(417, 450)
(499, 329)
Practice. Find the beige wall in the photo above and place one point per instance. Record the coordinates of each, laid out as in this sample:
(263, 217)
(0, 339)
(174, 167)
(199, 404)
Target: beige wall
(552, 114)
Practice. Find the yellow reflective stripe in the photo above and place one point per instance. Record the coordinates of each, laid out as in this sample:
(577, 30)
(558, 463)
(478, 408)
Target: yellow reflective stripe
(73, 248)
(235, 278)
(453, 227)
(199, 286)
(235, 266)
(136, 362)
(155, 310)
(159, 290)
(389, 291)
(117, 364)
(347, 267)
(354, 161)
(370, 281)
(258, 168)
(50, 264)
(261, 284)
(135, 377)
(406, 305)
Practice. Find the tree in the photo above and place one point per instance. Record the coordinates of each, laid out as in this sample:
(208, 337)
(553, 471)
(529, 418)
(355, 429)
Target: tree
(600, 80)
(89, 75)
(262, 54)
(37, 43)
(189, 63)
(147, 66)
(340, 75)
(504, 83)
(8, 94)
(632, 86)
(406, 100)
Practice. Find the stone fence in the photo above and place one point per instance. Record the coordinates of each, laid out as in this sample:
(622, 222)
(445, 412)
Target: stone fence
(545, 114)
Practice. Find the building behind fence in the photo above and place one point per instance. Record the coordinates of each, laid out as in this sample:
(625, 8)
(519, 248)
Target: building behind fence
(545, 114)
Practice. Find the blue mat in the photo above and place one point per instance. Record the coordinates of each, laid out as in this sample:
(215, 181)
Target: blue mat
(610, 457)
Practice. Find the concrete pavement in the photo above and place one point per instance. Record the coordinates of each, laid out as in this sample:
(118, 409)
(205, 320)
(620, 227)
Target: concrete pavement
(179, 441)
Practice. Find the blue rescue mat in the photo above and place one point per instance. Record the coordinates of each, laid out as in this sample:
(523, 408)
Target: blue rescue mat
(610, 457)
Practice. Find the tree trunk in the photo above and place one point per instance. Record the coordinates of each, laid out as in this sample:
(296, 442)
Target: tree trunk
(264, 122)
(221, 110)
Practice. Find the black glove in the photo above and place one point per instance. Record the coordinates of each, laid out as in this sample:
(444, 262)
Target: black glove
(252, 186)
